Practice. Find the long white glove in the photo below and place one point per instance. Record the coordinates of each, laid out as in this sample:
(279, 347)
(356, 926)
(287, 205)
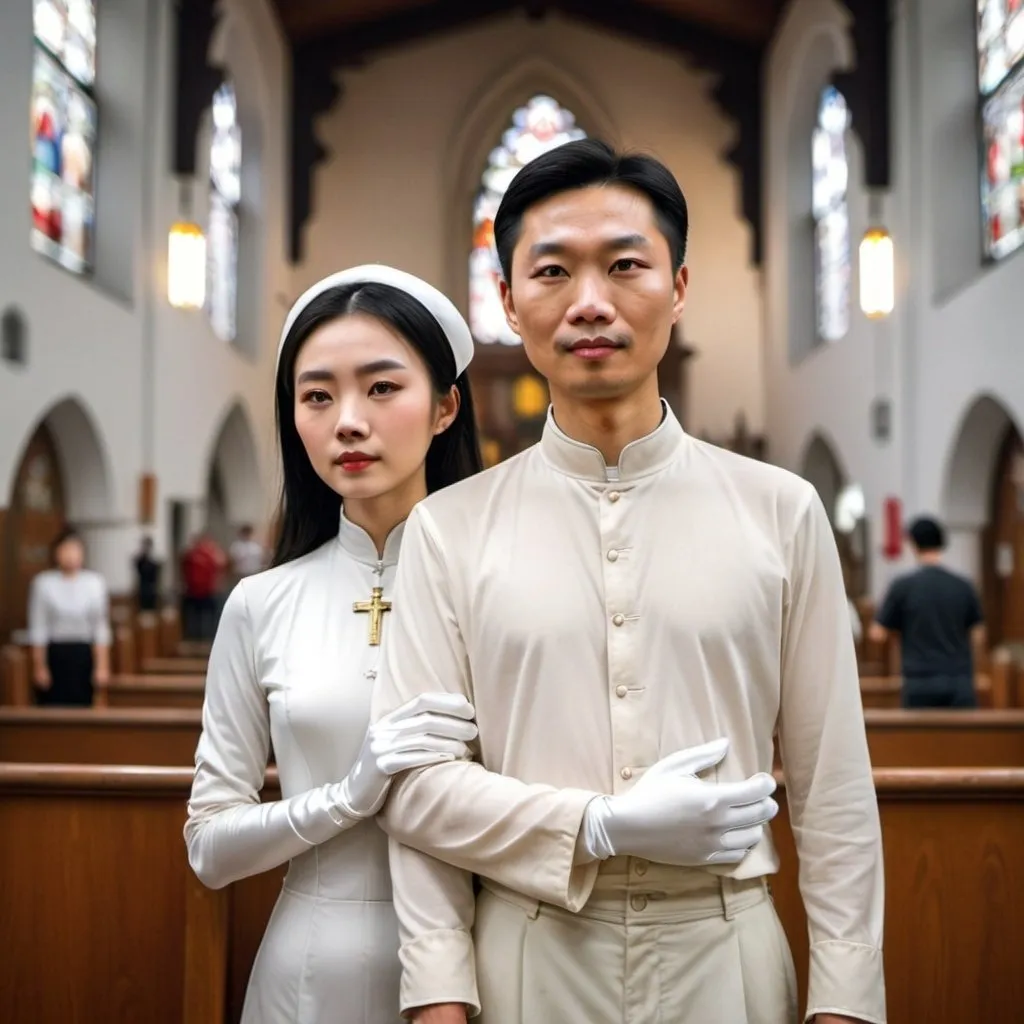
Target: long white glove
(672, 817)
(229, 837)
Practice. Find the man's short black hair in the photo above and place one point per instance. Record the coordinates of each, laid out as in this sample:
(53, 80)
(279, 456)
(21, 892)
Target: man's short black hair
(582, 164)
(927, 534)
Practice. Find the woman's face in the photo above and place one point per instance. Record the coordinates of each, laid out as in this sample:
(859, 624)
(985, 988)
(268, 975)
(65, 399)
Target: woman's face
(70, 556)
(365, 408)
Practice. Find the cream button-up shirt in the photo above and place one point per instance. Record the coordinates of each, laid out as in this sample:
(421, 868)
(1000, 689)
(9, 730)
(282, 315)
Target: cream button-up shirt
(598, 626)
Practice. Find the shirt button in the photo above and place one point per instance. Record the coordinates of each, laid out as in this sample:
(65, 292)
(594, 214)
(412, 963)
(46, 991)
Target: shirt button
(613, 555)
(618, 620)
(640, 867)
(621, 691)
(638, 902)
(614, 496)
(626, 773)
(371, 673)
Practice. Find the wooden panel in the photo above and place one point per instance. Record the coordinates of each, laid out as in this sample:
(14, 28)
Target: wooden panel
(954, 902)
(104, 892)
(174, 666)
(93, 928)
(884, 691)
(15, 675)
(150, 736)
(142, 691)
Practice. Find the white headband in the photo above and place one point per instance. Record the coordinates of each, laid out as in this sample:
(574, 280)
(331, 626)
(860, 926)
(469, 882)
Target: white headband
(440, 306)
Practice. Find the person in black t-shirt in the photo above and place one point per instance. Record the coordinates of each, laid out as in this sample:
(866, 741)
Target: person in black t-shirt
(935, 612)
(147, 577)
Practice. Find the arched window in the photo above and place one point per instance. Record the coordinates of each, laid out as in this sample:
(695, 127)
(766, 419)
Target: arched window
(831, 216)
(537, 127)
(222, 233)
(64, 131)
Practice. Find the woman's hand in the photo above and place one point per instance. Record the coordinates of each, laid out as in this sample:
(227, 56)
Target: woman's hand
(432, 727)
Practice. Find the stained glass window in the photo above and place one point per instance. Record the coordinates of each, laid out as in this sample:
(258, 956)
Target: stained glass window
(831, 216)
(539, 126)
(1002, 185)
(63, 126)
(1000, 40)
(222, 231)
(1001, 83)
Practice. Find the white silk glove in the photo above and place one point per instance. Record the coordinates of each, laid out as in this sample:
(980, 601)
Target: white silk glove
(231, 837)
(672, 817)
(432, 727)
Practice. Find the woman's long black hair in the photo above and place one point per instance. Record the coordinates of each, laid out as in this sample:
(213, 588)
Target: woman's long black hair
(308, 511)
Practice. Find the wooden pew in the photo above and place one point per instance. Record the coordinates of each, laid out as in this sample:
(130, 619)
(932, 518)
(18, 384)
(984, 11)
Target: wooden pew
(152, 736)
(942, 738)
(169, 629)
(884, 691)
(173, 666)
(146, 691)
(123, 661)
(954, 923)
(105, 891)
(15, 676)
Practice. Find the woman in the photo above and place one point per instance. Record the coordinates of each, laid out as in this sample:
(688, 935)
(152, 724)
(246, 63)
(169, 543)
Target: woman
(373, 411)
(69, 626)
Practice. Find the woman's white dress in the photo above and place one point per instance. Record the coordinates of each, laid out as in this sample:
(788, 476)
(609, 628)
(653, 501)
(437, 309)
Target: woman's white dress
(292, 665)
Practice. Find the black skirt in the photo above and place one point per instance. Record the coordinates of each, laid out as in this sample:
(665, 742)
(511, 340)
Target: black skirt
(70, 666)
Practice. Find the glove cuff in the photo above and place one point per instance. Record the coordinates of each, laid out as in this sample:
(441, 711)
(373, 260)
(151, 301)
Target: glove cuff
(596, 818)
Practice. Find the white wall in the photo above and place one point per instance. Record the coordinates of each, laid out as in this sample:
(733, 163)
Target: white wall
(399, 185)
(155, 383)
(955, 332)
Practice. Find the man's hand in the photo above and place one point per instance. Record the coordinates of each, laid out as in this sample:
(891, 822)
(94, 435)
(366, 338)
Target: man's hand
(442, 1013)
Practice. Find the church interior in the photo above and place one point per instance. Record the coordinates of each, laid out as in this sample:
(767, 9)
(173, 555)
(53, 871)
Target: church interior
(855, 177)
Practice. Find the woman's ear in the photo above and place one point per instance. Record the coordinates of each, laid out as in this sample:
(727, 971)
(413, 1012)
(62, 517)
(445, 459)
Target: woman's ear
(447, 410)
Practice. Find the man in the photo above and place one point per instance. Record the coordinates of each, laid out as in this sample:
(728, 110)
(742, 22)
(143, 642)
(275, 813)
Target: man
(937, 615)
(147, 575)
(632, 613)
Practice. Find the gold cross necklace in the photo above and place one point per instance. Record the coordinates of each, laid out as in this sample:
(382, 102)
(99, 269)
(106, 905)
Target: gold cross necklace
(375, 607)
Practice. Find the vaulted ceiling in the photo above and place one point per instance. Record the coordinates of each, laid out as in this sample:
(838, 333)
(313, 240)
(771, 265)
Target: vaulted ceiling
(727, 37)
(752, 20)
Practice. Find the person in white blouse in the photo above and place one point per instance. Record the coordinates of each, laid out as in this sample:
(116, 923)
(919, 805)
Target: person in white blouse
(373, 411)
(69, 626)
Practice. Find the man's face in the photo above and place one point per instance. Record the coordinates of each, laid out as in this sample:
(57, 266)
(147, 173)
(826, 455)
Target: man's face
(593, 292)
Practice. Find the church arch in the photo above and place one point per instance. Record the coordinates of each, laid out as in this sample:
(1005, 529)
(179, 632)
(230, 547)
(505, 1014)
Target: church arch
(845, 504)
(972, 462)
(62, 476)
(983, 496)
(821, 466)
(234, 492)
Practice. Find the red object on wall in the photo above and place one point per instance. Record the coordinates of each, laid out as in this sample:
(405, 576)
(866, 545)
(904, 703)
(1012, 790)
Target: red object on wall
(892, 528)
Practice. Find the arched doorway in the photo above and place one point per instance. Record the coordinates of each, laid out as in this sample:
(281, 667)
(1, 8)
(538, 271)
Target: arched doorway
(62, 477)
(34, 518)
(234, 491)
(984, 500)
(1003, 544)
(844, 502)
